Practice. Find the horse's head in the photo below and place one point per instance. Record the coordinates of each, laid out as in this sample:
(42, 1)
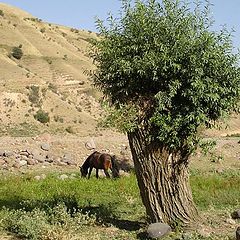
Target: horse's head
(83, 171)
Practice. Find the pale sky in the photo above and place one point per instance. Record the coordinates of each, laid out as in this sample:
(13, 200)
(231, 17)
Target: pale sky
(81, 13)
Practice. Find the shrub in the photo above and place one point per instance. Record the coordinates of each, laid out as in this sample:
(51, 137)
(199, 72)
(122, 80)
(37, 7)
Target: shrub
(34, 95)
(42, 30)
(42, 116)
(1, 13)
(17, 52)
(69, 129)
(52, 87)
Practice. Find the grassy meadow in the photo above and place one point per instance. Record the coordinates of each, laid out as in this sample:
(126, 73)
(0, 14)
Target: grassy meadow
(106, 209)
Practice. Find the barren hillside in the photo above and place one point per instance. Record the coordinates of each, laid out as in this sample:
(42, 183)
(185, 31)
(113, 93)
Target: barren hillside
(50, 76)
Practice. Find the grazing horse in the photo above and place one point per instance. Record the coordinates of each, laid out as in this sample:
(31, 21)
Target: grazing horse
(98, 161)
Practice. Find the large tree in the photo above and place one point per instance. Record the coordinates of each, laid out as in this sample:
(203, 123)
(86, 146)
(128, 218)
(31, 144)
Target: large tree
(166, 73)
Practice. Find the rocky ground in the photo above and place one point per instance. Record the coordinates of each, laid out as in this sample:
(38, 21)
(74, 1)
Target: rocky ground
(48, 152)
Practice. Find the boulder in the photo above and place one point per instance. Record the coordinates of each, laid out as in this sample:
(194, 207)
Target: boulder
(158, 230)
(236, 214)
(8, 153)
(238, 234)
(31, 161)
(45, 146)
(68, 159)
(23, 163)
(39, 158)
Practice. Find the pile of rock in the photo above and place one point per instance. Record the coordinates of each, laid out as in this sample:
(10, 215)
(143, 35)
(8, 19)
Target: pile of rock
(31, 157)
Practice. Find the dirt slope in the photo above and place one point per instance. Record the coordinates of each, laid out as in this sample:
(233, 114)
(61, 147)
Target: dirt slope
(49, 76)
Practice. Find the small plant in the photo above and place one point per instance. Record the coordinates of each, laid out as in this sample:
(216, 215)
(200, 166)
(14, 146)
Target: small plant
(43, 30)
(69, 129)
(1, 13)
(42, 116)
(58, 119)
(64, 34)
(17, 52)
(34, 95)
(52, 87)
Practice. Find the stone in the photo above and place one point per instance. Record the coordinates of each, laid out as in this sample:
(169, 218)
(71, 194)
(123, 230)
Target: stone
(35, 152)
(2, 161)
(63, 177)
(43, 176)
(8, 153)
(59, 163)
(238, 233)
(236, 214)
(158, 230)
(23, 157)
(2, 153)
(124, 174)
(45, 146)
(39, 158)
(49, 158)
(230, 221)
(38, 178)
(16, 165)
(23, 163)
(31, 162)
(24, 153)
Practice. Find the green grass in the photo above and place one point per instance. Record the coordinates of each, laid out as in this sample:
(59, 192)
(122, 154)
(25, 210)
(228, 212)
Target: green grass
(217, 190)
(96, 208)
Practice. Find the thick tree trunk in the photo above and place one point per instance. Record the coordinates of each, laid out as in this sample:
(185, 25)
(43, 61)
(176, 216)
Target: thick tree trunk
(163, 181)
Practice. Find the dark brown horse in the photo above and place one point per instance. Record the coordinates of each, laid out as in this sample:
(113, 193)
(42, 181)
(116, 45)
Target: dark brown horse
(98, 161)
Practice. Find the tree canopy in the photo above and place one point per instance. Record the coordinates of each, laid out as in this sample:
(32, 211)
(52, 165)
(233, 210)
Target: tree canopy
(161, 65)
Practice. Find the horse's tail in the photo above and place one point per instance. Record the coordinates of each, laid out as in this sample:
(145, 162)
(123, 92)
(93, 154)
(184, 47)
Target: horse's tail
(115, 167)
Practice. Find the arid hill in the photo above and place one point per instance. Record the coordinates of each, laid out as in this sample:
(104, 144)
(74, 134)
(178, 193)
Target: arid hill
(48, 78)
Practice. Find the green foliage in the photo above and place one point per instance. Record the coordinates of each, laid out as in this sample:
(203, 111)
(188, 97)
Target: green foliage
(42, 223)
(123, 118)
(17, 52)
(1, 13)
(42, 116)
(166, 60)
(207, 145)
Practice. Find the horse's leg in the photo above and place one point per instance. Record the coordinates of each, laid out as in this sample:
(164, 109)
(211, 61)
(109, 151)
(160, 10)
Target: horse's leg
(90, 171)
(106, 173)
(96, 172)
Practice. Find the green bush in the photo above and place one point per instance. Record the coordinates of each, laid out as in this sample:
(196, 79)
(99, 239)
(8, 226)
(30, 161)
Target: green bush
(42, 116)
(1, 13)
(17, 52)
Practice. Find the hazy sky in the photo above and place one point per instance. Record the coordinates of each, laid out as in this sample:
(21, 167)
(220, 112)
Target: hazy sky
(81, 13)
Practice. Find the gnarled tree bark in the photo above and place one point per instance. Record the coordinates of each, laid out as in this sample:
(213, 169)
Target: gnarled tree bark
(163, 181)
